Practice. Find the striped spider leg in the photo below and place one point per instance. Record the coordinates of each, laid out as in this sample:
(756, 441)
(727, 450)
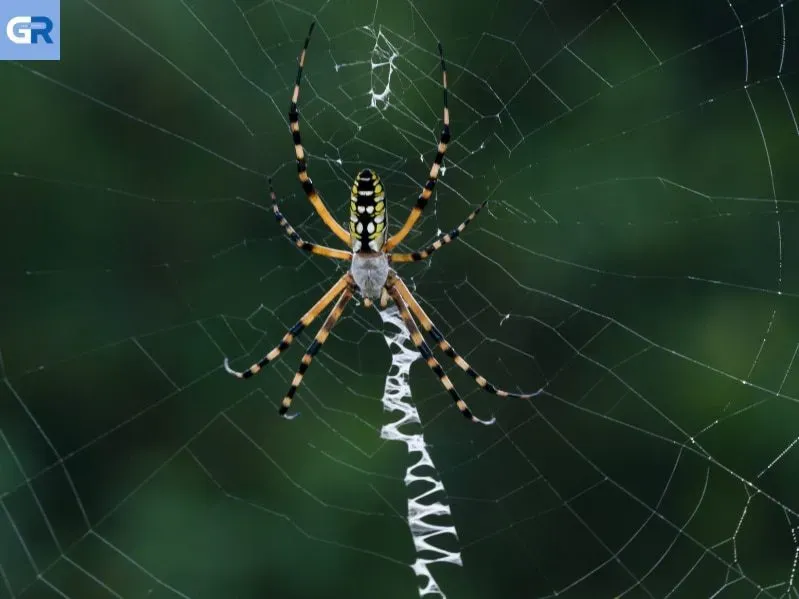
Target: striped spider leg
(429, 358)
(436, 335)
(440, 242)
(404, 299)
(427, 190)
(299, 241)
(343, 290)
(299, 151)
(312, 350)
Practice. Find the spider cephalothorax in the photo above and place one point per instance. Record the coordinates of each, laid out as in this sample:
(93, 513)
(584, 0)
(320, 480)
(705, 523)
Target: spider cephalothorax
(370, 255)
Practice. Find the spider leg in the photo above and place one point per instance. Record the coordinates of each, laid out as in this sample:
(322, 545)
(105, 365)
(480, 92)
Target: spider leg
(438, 337)
(292, 333)
(302, 166)
(312, 350)
(438, 243)
(427, 191)
(427, 354)
(299, 241)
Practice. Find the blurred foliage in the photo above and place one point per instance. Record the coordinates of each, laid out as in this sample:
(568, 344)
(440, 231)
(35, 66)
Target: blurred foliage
(637, 258)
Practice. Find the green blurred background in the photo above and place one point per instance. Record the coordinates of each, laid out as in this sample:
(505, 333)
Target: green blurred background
(638, 259)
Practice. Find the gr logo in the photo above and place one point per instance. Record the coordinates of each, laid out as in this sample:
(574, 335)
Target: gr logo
(30, 30)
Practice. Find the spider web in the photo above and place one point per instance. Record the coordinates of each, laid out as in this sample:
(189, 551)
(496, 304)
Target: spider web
(637, 260)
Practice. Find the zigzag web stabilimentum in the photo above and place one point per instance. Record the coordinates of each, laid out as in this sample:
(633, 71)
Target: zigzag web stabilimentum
(420, 475)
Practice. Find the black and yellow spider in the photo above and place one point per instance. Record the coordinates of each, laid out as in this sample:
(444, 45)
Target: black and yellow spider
(370, 273)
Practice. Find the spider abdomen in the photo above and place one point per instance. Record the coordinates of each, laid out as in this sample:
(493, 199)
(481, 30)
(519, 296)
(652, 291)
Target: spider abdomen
(367, 213)
(370, 272)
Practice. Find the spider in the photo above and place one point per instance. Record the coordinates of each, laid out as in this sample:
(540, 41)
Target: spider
(371, 256)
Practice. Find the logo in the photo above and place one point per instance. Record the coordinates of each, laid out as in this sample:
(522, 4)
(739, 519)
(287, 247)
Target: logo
(30, 30)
